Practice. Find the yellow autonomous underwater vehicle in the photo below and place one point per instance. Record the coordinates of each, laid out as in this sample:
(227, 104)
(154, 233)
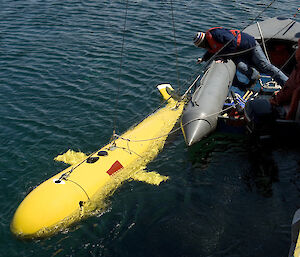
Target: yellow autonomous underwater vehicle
(79, 190)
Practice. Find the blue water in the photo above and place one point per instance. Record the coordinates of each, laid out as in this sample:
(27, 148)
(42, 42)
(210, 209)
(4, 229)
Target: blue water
(62, 88)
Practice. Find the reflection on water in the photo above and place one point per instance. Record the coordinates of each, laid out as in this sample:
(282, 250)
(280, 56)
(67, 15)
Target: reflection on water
(201, 153)
(263, 172)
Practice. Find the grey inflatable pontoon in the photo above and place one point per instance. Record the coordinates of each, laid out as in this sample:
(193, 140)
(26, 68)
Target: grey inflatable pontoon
(277, 28)
(200, 115)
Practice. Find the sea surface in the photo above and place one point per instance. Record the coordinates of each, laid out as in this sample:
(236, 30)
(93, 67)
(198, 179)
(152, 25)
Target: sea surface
(72, 71)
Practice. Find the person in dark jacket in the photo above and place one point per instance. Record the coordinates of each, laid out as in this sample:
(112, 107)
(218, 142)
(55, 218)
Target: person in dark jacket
(290, 93)
(242, 48)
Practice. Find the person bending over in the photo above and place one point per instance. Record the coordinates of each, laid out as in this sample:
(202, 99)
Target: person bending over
(242, 48)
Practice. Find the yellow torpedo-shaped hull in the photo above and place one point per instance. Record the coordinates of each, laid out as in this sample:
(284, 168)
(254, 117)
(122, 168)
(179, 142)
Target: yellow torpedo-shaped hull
(70, 195)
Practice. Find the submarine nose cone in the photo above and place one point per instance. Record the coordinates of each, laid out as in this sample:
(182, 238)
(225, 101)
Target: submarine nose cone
(23, 222)
(196, 130)
(47, 208)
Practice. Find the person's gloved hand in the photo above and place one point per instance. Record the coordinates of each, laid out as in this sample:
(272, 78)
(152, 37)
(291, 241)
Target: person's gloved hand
(199, 60)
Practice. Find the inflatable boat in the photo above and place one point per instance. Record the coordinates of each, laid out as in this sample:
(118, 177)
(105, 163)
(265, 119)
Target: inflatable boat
(209, 107)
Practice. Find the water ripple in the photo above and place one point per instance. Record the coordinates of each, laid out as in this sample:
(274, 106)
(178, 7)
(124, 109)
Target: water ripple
(66, 79)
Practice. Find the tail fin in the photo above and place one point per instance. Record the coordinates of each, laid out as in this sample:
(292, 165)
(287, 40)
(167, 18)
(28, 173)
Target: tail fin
(167, 92)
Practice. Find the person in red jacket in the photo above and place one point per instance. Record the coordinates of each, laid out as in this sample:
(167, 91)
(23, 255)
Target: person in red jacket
(290, 93)
(242, 48)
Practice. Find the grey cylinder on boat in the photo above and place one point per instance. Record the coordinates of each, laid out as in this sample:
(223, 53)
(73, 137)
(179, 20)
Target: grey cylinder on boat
(200, 115)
